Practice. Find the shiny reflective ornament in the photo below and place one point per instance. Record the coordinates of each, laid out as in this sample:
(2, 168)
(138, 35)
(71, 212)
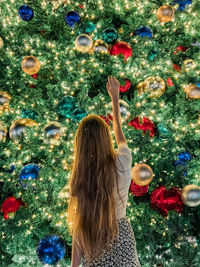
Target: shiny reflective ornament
(124, 110)
(144, 31)
(28, 172)
(100, 47)
(78, 114)
(155, 86)
(30, 65)
(3, 133)
(190, 195)
(142, 174)
(109, 35)
(192, 91)
(189, 64)
(165, 13)
(52, 133)
(66, 106)
(84, 43)
(51, 249)
(26, 13)
(72, 18)
(1, 43)
(4, 101)
(18, 127)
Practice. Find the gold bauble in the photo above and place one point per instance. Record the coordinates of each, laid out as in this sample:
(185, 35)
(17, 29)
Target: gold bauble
(30, 65)
(52, 133)
(189, 64)
(124, 110)
(18, 127)
(142, 174)
(190, 195)
(192, 91)
(84, 43)
(4, 101)
(1, 43)
(3, 133)
(154, 85)
(100, 46)
(165, 13)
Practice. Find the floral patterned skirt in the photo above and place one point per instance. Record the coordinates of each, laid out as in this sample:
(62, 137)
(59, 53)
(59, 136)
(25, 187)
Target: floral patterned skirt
(122, 252)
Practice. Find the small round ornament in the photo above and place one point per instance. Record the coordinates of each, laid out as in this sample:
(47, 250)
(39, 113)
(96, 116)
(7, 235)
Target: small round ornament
(17, 129)
(138, 190)
(52, 132)
(189, 65)
(10, 206)
(78, 114)
(165, 13)
(26, 13)
(154, 85)
(88, 28)
(72, 18)
(1, 43)
(30, 171)
(124, 110)
(3, 133)
(51, 249)
(190, 195)
(144, 31)
(100, 47)
(192, 91)
(109, 35)
(182, 4)
(4, 101)
(30, 65)
(29, 114)
(66, 106)
(121, 48)
(84, 43)
(142, 174)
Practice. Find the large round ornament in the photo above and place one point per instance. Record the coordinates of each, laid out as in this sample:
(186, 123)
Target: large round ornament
(100, 47)
(51, 249)
(52, 133)
(26, 13)
(66, 106)
(18, 127)
(30, 171)
(1, 43)
(10, 206)
(124, 110)
(155, 86)
(4, 101)
(144, 31)
(72, 18)
(142, 174)
(165, 13)
(84, 43)
(78, 114)
(3, 133)
(109, 35)
(121, 48)
(192, 91)
(138, 190)
(29, 114)
(190, 195)
(189, 65)
(30, 65)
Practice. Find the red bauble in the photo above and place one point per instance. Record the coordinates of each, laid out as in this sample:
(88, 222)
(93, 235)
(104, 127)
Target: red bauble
(138, 190)
(34, 76)
(10, 204)
(181, 48)
(146, 125)
(176, 67)
(106, 119)
(121, 48)
(126, 87)
(165, 200)
(169, 81)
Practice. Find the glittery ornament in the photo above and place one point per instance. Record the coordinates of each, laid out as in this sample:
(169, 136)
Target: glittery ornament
(72, 18)
(124, 110)
(51, 249)
(184, 156)
(88, 28)
(190, 195)
(138, 190)
(165, 13)
(84, 43)
(10, 206)
(155, 86)
(145, 125)
(78, 114)
(163, 131)
(121, 48)
(126, 87)
(1, 43)
(100, 46)
(192, 91)
(142, 174)
(189, 65)
(26, 13)
(66, 106)
(153, 54)
(3, 133)
(182, 4)
(183, 240)
(4, 101)
(30, 171)
(144, 31)
(176, 67)
(29, 114)
(52, 132)
(18, 127)
(30, 65)
(109, 35)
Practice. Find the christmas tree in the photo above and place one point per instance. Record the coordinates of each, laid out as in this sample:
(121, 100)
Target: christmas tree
(55, 60)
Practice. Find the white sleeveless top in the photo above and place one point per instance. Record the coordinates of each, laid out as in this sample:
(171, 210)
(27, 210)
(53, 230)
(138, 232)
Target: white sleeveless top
(124, 156)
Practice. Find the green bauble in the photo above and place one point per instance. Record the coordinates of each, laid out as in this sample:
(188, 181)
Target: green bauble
(153, 54)
(29, 114)
(66, 106)
(163, 131)
(88, 28)
(79, 114)
(109, 35)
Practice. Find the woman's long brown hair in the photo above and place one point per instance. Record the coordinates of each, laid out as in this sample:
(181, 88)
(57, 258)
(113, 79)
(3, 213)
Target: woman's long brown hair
(91, 207)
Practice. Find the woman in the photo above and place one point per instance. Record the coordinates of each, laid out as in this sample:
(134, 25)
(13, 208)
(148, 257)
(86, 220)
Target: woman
(102, 234)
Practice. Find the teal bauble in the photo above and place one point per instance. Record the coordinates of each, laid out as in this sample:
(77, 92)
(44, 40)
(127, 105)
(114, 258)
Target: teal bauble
(109, 35)
(66, 106)
(79, 114)
(88, 27)
(29, 114)
(163, 131)
(153, 54)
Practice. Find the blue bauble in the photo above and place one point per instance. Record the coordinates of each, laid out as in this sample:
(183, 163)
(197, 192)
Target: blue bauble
(179, 162)
(79, 114)
(29, 171)
(182, 3)
(144, 31)
(51, 249)
(26, 12)
(71, 18)
(184, 156)
(66, 106)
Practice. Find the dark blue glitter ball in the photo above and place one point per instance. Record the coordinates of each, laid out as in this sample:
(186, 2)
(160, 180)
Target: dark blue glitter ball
(144, 31)
(180, 162)
(26, 12)
(29, 171)
(182, 4)
(71, 18)
(185, 156)
(51, 249)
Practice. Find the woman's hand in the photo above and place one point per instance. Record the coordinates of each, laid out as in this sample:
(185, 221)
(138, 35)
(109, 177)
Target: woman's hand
(113, 86)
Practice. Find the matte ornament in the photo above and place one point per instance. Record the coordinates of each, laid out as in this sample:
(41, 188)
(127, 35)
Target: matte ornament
(192, 91)
(29, 114)
(190, 195)
(30, 171)
(124, 110)
(142, 174)
(165, 14)
(72, 18)
(66, 106)
(30, 65)
(155, 86)
(189, 65)
(121, 48)
(100, 47)
(1, 43)
(126, 87)
(144, 31)
(109, 35)
(3, 133)
(51, 249)
(138, 190)
(182, 4)
(18, 127)
(4, 101)
(10, 206)
(84, 43)
(26, 13)
(52, 133)
(79, 114)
